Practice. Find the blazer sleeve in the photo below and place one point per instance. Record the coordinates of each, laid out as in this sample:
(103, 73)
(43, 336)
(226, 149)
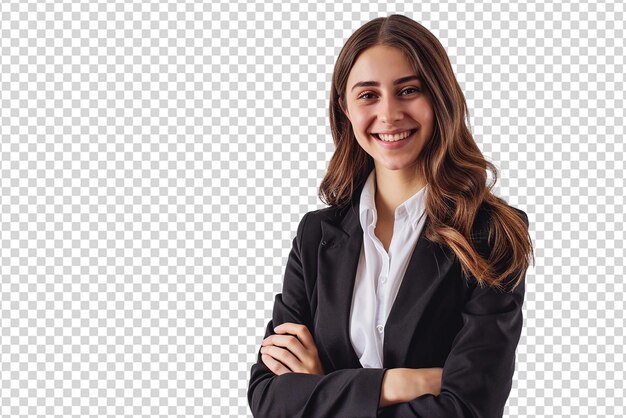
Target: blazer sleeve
(478, 372)
(341, 393)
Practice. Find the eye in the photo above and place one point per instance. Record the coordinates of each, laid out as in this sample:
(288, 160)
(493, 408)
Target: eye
(362, 96)
(410, 88)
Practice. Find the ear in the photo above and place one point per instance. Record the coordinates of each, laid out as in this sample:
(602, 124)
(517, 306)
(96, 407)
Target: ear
(343, 109)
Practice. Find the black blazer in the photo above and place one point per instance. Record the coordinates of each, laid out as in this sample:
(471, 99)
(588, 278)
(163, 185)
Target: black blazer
(438, 319)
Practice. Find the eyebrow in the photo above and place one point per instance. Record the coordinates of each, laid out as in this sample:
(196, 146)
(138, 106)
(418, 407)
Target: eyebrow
(376, 83)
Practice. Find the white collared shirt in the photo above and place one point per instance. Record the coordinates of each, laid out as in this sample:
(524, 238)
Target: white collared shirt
(379, 274)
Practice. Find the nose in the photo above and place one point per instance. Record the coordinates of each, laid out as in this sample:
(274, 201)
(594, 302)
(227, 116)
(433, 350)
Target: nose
(390, 110)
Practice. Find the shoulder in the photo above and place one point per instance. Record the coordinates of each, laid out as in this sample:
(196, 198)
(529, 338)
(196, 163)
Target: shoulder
(485, 217)
(310, 223)
(484, 229)
(310, 226)
(331, 214)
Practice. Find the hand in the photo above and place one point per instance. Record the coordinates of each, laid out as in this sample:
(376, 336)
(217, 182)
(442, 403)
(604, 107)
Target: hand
(291, 353)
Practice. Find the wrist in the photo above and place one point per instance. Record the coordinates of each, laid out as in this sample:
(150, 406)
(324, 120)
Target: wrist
(393, 386)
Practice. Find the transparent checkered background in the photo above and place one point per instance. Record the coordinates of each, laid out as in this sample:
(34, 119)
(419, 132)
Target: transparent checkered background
(157, 157)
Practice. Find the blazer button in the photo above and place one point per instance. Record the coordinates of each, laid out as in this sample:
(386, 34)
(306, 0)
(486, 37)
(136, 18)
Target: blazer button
(323, 242)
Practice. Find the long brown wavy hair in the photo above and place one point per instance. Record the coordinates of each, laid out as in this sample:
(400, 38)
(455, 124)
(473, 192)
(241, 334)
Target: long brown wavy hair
(453, 166)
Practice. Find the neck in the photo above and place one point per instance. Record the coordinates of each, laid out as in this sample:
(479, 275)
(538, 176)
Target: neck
(394, 187)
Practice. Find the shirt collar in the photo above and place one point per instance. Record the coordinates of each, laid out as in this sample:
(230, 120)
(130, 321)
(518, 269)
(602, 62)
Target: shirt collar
(414, 207)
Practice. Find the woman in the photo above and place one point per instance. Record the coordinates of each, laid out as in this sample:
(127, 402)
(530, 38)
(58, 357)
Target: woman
(404, 297)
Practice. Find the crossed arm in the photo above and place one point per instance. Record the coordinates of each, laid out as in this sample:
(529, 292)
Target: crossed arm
(292, 349)
(475, 381)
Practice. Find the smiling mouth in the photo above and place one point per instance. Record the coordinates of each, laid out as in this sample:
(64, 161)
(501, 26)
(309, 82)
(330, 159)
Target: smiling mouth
(410, 134)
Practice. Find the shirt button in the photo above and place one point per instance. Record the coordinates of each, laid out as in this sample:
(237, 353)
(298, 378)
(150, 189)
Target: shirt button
(383, 279)
(380, 328)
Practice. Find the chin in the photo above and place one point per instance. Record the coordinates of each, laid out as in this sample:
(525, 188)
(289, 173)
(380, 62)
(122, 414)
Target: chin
(394, 166)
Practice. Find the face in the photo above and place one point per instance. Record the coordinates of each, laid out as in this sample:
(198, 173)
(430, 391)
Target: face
(381, 106)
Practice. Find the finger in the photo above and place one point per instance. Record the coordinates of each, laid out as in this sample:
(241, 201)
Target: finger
(299, 330)
(284, 356)
(290, 342)
(274, 365)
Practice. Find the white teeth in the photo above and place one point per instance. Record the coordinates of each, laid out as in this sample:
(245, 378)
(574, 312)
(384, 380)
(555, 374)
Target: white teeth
(394, 138)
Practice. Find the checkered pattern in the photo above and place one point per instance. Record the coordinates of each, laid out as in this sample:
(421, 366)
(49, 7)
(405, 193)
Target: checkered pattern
(155, 159)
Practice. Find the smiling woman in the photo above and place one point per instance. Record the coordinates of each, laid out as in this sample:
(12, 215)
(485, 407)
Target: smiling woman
(391, 117)
(404, 297)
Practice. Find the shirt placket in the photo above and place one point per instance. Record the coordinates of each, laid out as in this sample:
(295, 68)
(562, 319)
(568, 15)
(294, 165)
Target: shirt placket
(382, 287)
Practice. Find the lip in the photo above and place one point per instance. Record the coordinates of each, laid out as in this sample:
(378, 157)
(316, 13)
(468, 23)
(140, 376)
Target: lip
(397, 144)
(396, 131)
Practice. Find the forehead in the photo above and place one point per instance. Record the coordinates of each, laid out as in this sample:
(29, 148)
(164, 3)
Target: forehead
(380, 63)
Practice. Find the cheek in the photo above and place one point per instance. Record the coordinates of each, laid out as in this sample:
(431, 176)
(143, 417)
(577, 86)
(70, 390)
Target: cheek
(428, 113)
(361, 119)
(429, 121)
(363, 139)
(425, 117)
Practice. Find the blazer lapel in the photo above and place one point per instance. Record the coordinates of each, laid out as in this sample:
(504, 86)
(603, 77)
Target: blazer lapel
(429, 264)
(338, 257)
